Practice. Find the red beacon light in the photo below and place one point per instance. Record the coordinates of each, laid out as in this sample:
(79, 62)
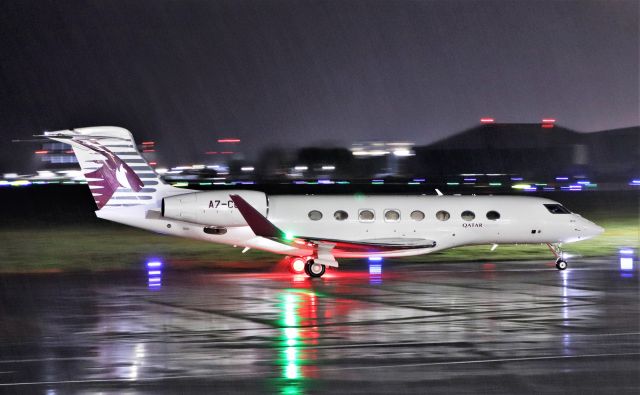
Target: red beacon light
(229, 140)
(487, 120)
(547, 123)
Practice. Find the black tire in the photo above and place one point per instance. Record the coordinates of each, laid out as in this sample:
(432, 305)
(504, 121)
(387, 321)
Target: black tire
(306, 267)
(561, 264)
(314, 270)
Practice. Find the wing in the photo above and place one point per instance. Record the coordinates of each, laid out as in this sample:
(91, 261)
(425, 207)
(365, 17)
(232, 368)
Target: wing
(263, 227)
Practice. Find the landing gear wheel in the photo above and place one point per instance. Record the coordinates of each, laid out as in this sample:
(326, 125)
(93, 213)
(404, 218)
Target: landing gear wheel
(561, 264)
(314, 270)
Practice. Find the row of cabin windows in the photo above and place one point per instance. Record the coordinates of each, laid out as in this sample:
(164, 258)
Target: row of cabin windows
(390, 215)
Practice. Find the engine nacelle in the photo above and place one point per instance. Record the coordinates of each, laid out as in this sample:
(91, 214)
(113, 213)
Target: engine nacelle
(214, 208)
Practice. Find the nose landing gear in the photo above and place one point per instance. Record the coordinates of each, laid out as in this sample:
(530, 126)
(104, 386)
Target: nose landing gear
(561, 264)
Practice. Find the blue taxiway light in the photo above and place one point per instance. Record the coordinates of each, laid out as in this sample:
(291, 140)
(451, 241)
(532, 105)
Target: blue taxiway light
(154, 264)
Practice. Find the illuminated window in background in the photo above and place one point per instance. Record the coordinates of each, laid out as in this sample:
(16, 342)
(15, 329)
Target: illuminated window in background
(340, 215)
(468, 215)
(366, 215)
(392, 215)
(493, 215)
(417, 215)
(315, 215)
(443, 215)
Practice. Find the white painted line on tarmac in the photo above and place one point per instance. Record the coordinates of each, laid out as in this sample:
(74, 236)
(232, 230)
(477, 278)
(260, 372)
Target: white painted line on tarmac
(227, 374)
(319, 347)
(479, 361)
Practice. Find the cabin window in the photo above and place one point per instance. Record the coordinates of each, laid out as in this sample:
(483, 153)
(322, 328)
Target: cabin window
(417, 215)
(340, 215)
(493, 215)
(468, 215)
(366, 215)
(315, 215)
(392, 215)
(443, 215)
(557, 209)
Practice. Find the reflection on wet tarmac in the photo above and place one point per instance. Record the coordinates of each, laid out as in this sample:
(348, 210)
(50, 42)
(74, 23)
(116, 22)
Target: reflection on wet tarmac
(299, 328)
(487, 327)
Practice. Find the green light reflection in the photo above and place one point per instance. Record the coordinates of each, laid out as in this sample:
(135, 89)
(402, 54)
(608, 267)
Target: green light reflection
(297, 310)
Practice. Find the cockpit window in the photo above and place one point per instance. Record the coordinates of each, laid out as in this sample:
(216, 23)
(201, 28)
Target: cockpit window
(557, 209)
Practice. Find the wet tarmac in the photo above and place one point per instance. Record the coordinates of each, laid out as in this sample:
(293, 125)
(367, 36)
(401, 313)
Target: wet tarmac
(515, 327)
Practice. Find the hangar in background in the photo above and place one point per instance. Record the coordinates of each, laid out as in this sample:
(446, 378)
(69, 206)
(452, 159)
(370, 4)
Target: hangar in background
(532, 151)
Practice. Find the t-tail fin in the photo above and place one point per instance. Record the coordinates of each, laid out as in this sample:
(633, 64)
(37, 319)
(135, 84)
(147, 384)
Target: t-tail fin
(116, 172)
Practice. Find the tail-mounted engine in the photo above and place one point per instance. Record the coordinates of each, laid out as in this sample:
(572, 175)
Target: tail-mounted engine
(213, 208)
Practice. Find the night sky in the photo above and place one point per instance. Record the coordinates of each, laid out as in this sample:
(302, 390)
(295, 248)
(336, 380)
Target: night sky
(300, 73)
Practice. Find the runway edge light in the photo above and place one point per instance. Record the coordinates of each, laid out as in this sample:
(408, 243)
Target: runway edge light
(626, 259)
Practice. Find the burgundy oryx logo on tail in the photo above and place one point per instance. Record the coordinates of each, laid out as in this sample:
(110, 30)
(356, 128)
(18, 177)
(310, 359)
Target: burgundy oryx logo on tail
(113, 173)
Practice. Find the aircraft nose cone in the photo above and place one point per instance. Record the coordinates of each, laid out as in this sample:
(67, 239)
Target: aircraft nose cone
(594, 229)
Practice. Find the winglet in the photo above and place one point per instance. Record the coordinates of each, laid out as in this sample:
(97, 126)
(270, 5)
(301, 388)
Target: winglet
(438, 192)
(258, 223)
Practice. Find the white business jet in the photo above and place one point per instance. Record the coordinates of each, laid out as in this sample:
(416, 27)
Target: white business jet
(312, 230)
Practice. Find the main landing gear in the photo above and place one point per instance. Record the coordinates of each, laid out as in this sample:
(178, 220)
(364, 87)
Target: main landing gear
(314, 270)
(298, 265)
(561, 264)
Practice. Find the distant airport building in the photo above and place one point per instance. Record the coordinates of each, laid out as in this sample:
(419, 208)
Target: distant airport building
(59, 157)
(55, 155)
(385, 158)
(532, 150)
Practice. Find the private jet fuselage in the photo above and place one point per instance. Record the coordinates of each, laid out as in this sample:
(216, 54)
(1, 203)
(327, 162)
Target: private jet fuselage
(416, 224)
